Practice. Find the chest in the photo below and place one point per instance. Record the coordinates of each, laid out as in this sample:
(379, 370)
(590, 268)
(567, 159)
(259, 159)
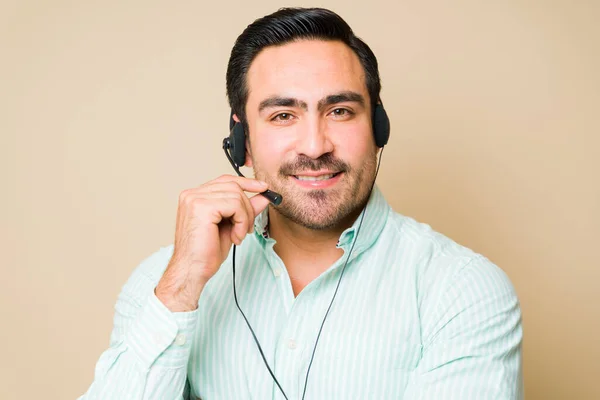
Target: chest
(367, 348)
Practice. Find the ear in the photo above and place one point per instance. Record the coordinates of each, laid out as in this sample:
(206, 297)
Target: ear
(235, 118)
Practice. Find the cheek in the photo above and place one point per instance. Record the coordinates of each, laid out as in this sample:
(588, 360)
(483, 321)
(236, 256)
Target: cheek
(269, 151)
(354, 144)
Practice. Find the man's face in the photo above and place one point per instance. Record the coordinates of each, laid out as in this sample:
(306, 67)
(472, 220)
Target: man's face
(310, 138)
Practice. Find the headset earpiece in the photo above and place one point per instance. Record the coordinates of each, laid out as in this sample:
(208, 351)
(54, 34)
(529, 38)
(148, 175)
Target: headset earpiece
(237, 142)
(381, 125)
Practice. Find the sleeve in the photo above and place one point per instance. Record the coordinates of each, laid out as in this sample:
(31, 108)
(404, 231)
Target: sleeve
(472, 346)
(149, 345)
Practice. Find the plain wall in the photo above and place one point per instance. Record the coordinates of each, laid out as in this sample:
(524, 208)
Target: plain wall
(109, 109)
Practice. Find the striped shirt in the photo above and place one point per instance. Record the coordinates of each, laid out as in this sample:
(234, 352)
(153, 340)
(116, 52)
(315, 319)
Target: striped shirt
(417, 316)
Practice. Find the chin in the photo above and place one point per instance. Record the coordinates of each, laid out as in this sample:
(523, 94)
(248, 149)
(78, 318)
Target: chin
(319, 210)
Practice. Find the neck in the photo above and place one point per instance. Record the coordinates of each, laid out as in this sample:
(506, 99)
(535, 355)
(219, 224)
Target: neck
(289, 234)
(306, 253)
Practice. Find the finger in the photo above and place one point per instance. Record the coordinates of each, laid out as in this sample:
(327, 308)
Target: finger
(241, 220)
(230, 207)
(219, 189)
(247, 184)
(259, 203)
(248, 207)
(251, 214)
(226, 190)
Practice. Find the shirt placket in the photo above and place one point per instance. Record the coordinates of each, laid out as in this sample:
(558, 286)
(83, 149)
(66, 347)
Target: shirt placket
(289, 347)
(304, 316)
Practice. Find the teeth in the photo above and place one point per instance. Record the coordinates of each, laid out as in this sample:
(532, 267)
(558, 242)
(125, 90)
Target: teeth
(315, 178)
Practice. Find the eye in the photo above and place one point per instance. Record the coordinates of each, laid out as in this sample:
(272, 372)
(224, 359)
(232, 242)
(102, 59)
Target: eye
(341, 113)
(283, 117)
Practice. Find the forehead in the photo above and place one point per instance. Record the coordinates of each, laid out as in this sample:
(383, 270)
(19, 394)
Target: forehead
(306, 69)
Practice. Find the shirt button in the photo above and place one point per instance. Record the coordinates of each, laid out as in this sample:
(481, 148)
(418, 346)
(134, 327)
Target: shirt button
(180, 339)
(277, 271)
(292, 344)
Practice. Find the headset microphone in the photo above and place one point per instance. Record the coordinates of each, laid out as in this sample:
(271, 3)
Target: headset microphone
(274, 197)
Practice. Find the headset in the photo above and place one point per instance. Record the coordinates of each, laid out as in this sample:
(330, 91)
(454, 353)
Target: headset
(235, 149)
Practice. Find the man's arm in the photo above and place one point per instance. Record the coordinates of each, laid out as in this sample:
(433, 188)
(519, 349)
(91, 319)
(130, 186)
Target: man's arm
(157, 309)
(149, 345)
(472, 340)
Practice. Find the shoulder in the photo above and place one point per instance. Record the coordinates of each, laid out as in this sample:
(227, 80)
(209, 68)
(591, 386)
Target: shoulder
(451, 282)
(442, 266)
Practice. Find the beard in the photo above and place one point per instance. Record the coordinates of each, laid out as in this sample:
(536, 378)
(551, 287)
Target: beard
(322, 209)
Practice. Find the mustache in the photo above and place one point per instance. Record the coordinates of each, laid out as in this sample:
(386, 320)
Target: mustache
(303, 163)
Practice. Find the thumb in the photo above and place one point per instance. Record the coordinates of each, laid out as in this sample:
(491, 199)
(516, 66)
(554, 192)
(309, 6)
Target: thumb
(259, 203)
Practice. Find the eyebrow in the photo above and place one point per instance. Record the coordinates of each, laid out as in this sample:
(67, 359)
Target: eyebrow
(277, 101)
(341, 97)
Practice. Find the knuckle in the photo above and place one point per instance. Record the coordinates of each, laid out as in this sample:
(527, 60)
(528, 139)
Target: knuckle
(243, 202)
(234, 187)
(239, 195)
(196, 204)
(237, 203)
(184, 195)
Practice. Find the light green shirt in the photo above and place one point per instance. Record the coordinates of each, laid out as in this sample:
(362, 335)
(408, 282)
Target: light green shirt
(417, 316)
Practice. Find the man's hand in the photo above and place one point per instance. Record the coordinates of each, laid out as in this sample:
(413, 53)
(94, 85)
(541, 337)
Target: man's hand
(210, 219)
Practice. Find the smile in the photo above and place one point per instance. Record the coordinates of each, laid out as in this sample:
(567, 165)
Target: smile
(315, 178)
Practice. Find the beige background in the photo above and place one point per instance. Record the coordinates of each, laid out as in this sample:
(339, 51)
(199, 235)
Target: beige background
(109, 109)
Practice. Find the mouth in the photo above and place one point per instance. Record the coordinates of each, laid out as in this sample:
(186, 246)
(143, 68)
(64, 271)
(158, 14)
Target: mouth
(317, 180)
(316, 177)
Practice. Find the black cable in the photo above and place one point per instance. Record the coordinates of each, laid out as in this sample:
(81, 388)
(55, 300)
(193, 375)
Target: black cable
(328, 308)
(252, 330)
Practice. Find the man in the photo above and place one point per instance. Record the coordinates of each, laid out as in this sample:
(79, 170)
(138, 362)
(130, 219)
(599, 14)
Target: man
(341, 297)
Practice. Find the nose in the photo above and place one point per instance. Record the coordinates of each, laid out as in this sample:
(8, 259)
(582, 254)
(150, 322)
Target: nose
(313, 138)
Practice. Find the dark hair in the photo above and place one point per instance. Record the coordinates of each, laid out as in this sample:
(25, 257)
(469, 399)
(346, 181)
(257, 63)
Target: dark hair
(284, 26)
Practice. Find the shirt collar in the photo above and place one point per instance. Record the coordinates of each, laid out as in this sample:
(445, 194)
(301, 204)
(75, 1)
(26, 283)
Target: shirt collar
(377, 210)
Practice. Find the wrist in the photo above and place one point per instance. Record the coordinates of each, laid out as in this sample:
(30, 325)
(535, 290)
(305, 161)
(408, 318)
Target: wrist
(176, 298)
(174, 302)
(180, 286)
